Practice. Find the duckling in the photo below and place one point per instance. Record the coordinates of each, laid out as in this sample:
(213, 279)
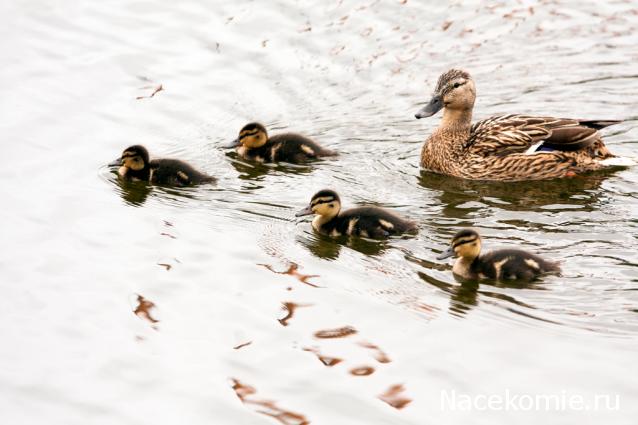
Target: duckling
(508, 147)
(505, 264)
(372, 222)
(136, 165)
(254, 144)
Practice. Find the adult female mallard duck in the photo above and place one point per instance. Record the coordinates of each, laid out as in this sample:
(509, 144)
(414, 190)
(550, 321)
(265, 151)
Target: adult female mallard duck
(254, 144)
(507, 147)
(135, 164)
(372, 222)
(504, 264)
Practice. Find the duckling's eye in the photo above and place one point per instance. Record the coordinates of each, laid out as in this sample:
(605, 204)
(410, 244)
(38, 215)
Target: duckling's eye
(331, 205)
(457, 85)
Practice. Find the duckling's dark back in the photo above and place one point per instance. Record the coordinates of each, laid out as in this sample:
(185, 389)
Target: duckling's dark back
(513, 264)
(294, 147)
(175, 172)
(370, 221)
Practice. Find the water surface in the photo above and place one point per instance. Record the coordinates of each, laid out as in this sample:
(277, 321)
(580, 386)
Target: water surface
(126, 303)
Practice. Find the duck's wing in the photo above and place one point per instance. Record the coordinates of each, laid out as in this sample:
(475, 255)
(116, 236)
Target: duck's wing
(507, 134)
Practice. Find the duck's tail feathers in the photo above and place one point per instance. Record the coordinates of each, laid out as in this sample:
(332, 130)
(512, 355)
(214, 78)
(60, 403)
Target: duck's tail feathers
(328, 152)
(208, 179)
(598, 124)
(619, 161)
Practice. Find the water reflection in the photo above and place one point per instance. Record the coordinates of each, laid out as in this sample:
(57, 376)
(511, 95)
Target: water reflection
(242, 345)
(143, 310)
(293, 270)
(136, 193)
(246, 394)
(290, 308)
(464, 296)
(335, 333)
(379, 354)
(257, 171)
(362, 371)
(394, 396)
(580, 191)
(325, 360)
(133, 193)
(328, 248)
(319, 245)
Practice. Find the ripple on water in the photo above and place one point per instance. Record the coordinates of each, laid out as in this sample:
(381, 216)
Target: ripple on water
(216, 263)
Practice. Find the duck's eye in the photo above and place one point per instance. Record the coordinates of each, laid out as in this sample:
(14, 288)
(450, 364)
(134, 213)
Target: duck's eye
(457, 85)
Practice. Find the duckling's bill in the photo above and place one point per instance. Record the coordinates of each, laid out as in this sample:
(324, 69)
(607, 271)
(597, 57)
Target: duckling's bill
(115, 163)
(434, 106)
(232, 144)
(446, 254)
(305, 211)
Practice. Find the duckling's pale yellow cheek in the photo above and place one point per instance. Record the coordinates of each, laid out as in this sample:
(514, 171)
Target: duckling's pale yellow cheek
(122, 171)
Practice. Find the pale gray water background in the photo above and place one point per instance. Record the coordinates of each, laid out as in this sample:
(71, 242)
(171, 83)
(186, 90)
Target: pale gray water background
(77, 248)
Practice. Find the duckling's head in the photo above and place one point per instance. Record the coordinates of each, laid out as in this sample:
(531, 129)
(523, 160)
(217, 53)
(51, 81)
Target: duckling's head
(134, 157)
(251, 136)
(465, 244)
(454, 91)
(325, 203)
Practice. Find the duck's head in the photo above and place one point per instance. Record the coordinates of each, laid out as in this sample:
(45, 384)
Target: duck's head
(465, 244)
(455, 91)
(253, 135)
(134, 157)
(325, 203)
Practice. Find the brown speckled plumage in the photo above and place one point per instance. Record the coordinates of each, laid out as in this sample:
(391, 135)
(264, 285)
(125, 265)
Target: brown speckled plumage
(497, 148)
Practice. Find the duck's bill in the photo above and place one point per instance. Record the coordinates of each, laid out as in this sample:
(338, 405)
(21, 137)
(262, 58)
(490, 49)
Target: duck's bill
(305, 211)
(115, 163)
(434, 106)
(232, 144)
(447, 254)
